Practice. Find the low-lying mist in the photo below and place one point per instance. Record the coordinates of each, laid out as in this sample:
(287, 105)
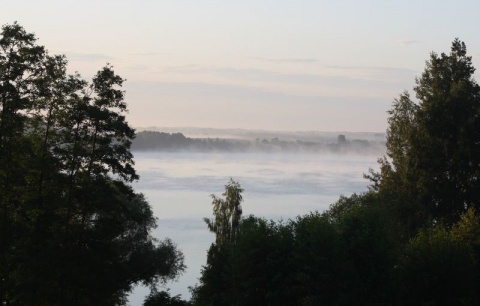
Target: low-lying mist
(244, 141)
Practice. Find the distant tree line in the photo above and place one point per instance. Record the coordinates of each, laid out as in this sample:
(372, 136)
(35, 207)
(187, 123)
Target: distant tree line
(161, 141)
(412, 239)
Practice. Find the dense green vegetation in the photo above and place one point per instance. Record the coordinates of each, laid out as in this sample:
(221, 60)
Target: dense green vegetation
(72, 229)
(412, 239)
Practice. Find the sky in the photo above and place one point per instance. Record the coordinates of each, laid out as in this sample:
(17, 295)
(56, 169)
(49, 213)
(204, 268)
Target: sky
(253, 64)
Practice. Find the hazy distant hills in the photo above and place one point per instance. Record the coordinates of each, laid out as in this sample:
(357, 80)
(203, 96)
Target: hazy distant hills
(239, 140)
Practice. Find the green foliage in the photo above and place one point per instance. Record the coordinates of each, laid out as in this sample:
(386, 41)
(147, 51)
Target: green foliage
(163, 298)
(342, 257)
(253, 269)
(261, 262)
(467, 229)
(437, 269)
(429, 182)
(227, 213)
(320, 264)
(372, 240)
(433, 164)
(216, 280)
(72, 230)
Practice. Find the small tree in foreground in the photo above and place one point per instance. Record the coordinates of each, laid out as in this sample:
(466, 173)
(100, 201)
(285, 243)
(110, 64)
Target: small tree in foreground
(227, 213)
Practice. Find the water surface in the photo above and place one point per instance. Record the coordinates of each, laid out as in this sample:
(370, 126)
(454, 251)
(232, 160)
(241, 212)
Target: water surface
(277, 186)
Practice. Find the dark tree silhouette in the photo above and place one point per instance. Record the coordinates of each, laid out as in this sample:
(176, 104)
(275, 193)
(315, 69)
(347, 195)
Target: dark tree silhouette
(72, 229)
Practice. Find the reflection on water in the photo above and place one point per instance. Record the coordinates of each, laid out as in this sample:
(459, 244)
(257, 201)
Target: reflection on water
(277, 186)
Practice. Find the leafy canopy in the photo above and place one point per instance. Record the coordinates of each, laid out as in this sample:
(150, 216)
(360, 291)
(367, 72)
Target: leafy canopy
(72, 229)
(433, 142)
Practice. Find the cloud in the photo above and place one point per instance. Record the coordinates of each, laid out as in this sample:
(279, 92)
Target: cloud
(189, 68)
(345, 75)
(207, 91)
(259, 76)
(406, 42)
(220, 105)
(378, 69)
(87, 57)
(378, 72)
(137, 67)
(347, 82)
(148, 54)
(286, 60)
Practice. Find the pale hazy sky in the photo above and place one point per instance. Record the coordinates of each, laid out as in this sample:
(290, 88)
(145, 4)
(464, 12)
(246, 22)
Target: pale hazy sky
(274, 65)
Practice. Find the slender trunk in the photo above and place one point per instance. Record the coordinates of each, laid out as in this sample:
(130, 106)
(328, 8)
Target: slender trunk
(72, 177)
(44, 151)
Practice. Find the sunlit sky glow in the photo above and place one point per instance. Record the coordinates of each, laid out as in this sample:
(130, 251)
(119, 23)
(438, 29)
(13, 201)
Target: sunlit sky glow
(274, 65)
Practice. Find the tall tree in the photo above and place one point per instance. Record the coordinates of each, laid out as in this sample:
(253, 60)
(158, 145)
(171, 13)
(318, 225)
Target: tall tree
(433, 143)
(72, 229)
(20, 65)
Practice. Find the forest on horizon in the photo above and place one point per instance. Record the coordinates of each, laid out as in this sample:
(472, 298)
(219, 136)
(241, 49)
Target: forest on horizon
(147, 140)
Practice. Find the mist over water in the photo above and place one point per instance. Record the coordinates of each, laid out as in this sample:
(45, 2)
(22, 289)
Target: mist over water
(277, 186)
